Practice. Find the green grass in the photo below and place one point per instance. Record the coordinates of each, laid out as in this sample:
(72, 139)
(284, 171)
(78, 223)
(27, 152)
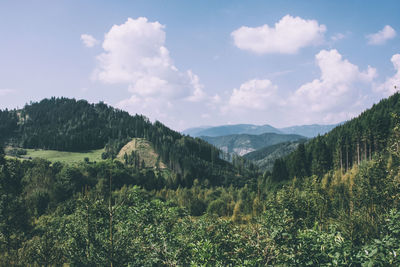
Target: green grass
(65, 157)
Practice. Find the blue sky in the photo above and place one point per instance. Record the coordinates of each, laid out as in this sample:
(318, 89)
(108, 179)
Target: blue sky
(191, 63)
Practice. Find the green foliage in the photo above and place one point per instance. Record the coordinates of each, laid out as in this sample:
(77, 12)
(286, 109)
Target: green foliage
(385, 250)
(63, 156)
(16, 152)
(217, 207)
(322, 248)
(264, 158)
(95, 213)
(350, 143)
(8, 124)
(54, 214)
(62, 124)
(279, 171)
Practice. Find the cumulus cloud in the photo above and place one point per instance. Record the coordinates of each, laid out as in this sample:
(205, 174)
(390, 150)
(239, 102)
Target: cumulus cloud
(382, 36)
(392, 84)
(88, 40)
(135, 57)
(336, 89)
(286, 37)
(254, 94)
(198, 93)
(135, 54)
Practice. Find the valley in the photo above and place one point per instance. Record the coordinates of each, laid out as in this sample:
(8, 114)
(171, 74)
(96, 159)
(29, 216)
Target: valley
(242, 144)
(140, 188)
(200, 133)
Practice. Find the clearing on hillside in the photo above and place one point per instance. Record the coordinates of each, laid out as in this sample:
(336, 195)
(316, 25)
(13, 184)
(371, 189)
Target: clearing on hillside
(61, 156)
(144, 149)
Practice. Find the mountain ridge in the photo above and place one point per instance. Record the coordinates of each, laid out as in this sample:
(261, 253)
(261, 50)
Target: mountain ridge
(65, 124)
(311, 130)
(242, 144)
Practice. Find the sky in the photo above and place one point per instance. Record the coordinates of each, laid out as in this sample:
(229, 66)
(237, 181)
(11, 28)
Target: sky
(195, 63)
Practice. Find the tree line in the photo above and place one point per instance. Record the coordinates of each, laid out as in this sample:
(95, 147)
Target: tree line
(345, 146)
(70, 125)
(118, 213)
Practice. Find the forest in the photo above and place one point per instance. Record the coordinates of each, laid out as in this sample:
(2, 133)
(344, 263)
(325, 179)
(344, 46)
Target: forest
(334, 201)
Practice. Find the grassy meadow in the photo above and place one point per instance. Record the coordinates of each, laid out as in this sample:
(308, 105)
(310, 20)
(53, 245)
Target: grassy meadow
(62, 156)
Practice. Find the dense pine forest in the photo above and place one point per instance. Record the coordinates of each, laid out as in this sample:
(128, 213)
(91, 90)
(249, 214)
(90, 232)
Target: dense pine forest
(69, 125)
(334, 201)
(346, 145)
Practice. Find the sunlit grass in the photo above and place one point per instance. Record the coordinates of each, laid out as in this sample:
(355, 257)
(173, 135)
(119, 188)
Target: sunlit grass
(63, 156)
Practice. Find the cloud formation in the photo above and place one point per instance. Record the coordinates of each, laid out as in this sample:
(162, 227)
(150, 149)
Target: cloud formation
(336, 90)
(135, 54)
(254, 94)
(382, 36)
(392, 84)
(286, 37)
(88, 40)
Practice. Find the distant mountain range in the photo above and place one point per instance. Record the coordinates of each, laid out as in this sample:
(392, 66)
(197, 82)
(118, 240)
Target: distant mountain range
(242, 144)
(304, 130)
(265, 157)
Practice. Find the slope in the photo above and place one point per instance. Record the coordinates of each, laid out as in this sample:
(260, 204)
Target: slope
(142, 151)
(265, 157)
(242, 144)
(69, 125)
(309, 130)
(346, 145)
(304, 130)
(231, 129)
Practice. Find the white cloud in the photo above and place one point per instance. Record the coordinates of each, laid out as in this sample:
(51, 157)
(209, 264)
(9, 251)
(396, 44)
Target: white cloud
(337, 37)
(286, 37)
(253, 94)
(135, 54)
(388, 87)
(216, 99)
(88, 40)
(198, 93)
(382, 36)
(336, 90)
(4, 92)
(135, 57)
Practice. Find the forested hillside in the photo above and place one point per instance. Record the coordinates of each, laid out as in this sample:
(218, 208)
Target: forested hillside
(70, 125)
(242, 144)
(346, 145)
(231, 129)
(264, 158)
(305, 130)
(335, 201)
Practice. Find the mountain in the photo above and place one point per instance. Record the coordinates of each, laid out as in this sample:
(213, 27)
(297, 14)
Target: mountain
(373, 132)
(231, 129)
(195, 130)
(242, 144)
(309, 130)
(89, 213)
(304, 130)
(75, 125)
(264, 158)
